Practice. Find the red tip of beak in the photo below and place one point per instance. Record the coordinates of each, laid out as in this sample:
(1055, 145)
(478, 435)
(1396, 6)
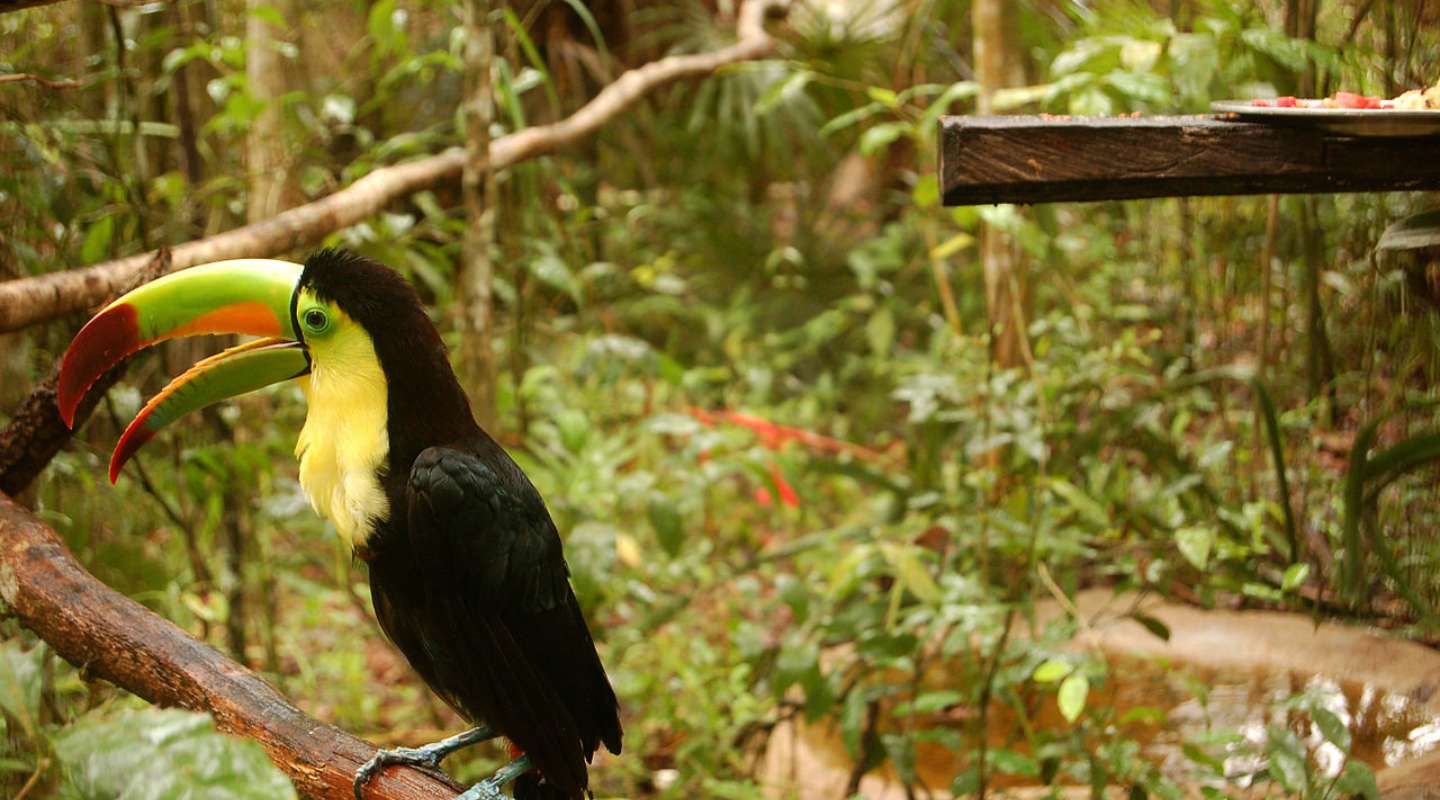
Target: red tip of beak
(101, 344)
(130, 442)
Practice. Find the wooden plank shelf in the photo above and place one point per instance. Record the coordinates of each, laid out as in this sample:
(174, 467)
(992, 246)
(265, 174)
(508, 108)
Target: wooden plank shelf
(1045, 159)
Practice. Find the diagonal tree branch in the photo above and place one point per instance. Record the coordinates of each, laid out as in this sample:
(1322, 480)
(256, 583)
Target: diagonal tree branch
(117, 639)
(48, 83)
(27, 301)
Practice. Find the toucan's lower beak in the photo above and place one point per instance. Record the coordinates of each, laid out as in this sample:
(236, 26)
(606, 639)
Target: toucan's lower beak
(245, 296)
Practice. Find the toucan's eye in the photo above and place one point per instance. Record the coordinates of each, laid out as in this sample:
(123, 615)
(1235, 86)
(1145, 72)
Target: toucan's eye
(316, 320)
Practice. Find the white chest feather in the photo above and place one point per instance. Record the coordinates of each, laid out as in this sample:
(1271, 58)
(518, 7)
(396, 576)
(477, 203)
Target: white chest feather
(344, 443)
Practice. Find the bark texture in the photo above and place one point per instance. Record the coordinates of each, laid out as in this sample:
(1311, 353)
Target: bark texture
(28, 301)
(265, 160)
(115, 638)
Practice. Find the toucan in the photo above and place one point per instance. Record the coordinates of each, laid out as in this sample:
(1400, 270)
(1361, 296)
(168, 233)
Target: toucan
(466, 570)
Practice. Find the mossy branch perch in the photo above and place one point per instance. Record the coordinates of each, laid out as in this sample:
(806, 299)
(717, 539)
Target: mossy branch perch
(115, 638)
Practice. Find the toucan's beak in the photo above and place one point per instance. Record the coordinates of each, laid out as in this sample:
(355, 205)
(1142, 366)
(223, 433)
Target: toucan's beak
(246, 296)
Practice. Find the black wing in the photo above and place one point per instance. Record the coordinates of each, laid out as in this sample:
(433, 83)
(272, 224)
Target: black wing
(502, 632)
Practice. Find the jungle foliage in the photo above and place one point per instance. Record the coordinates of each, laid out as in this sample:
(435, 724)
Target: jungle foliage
(745, 355)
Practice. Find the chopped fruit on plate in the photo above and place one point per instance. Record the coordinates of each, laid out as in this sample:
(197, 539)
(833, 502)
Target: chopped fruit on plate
(1413, 100)
(1419, 99)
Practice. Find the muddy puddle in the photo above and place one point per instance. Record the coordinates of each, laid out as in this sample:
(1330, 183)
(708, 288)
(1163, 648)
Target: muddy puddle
(1221, 671)
(1160, 709)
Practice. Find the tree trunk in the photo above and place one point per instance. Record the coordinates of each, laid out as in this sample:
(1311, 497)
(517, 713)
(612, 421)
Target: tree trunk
(995, 68)
(477, 314)
(264, 142)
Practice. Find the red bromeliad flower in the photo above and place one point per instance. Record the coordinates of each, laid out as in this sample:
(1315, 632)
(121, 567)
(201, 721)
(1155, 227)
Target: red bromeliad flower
(787, 492)
(773, 436)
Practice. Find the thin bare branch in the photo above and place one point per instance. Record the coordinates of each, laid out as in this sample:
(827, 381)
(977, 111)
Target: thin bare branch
(48, 83)
(28, 301)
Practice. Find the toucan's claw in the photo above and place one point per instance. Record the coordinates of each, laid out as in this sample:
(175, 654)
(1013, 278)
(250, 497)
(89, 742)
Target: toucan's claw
(427, 757)
(489, 789)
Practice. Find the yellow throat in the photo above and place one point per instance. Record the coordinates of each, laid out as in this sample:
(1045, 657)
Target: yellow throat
(343, 446)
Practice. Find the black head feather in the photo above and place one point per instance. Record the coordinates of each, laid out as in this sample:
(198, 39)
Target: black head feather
(427, 405)
(370, 292)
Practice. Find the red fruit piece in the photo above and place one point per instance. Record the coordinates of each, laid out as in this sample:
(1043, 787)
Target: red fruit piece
(1288, 101)
(1352, 100)
(1262, 102)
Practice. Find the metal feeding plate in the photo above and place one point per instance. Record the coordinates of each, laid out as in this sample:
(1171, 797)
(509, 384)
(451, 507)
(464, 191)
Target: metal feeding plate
(1367, 122)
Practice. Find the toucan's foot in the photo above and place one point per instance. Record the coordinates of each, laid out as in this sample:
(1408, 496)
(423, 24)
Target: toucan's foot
(428, 756)
(489, 789)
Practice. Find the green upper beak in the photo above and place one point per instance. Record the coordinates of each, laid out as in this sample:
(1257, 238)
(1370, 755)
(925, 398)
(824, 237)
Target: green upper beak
(246, 296)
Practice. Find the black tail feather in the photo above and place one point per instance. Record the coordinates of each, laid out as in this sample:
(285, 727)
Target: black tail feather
(531, 786)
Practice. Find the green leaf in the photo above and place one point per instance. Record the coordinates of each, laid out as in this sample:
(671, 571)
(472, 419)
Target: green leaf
(1155, 626)
(902, 756)
(269, 14)
(911, 571)
(590, 25)
(97, 240)
(1195, 543)
(532, 54)
(1009, 762)
(387, 36)
(1073, 692)
(552, 270)
(780, 90)
(1143, 87)
(880, 331)
(1287, 52)
(1083, 503)
(883, 96)
(1052, 670)
(155, 754)
(1287, 759)
(952, 245)
(1334, 731)
(1086, 54)
(962, 90)
(668, 524)
(851, 117)
(878, 136)
(1358, 781)
(926, 193)
(1295, 576)
(796, 660)
(20, 684)
(853, 715)
(930, 702)
(1091, 102)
